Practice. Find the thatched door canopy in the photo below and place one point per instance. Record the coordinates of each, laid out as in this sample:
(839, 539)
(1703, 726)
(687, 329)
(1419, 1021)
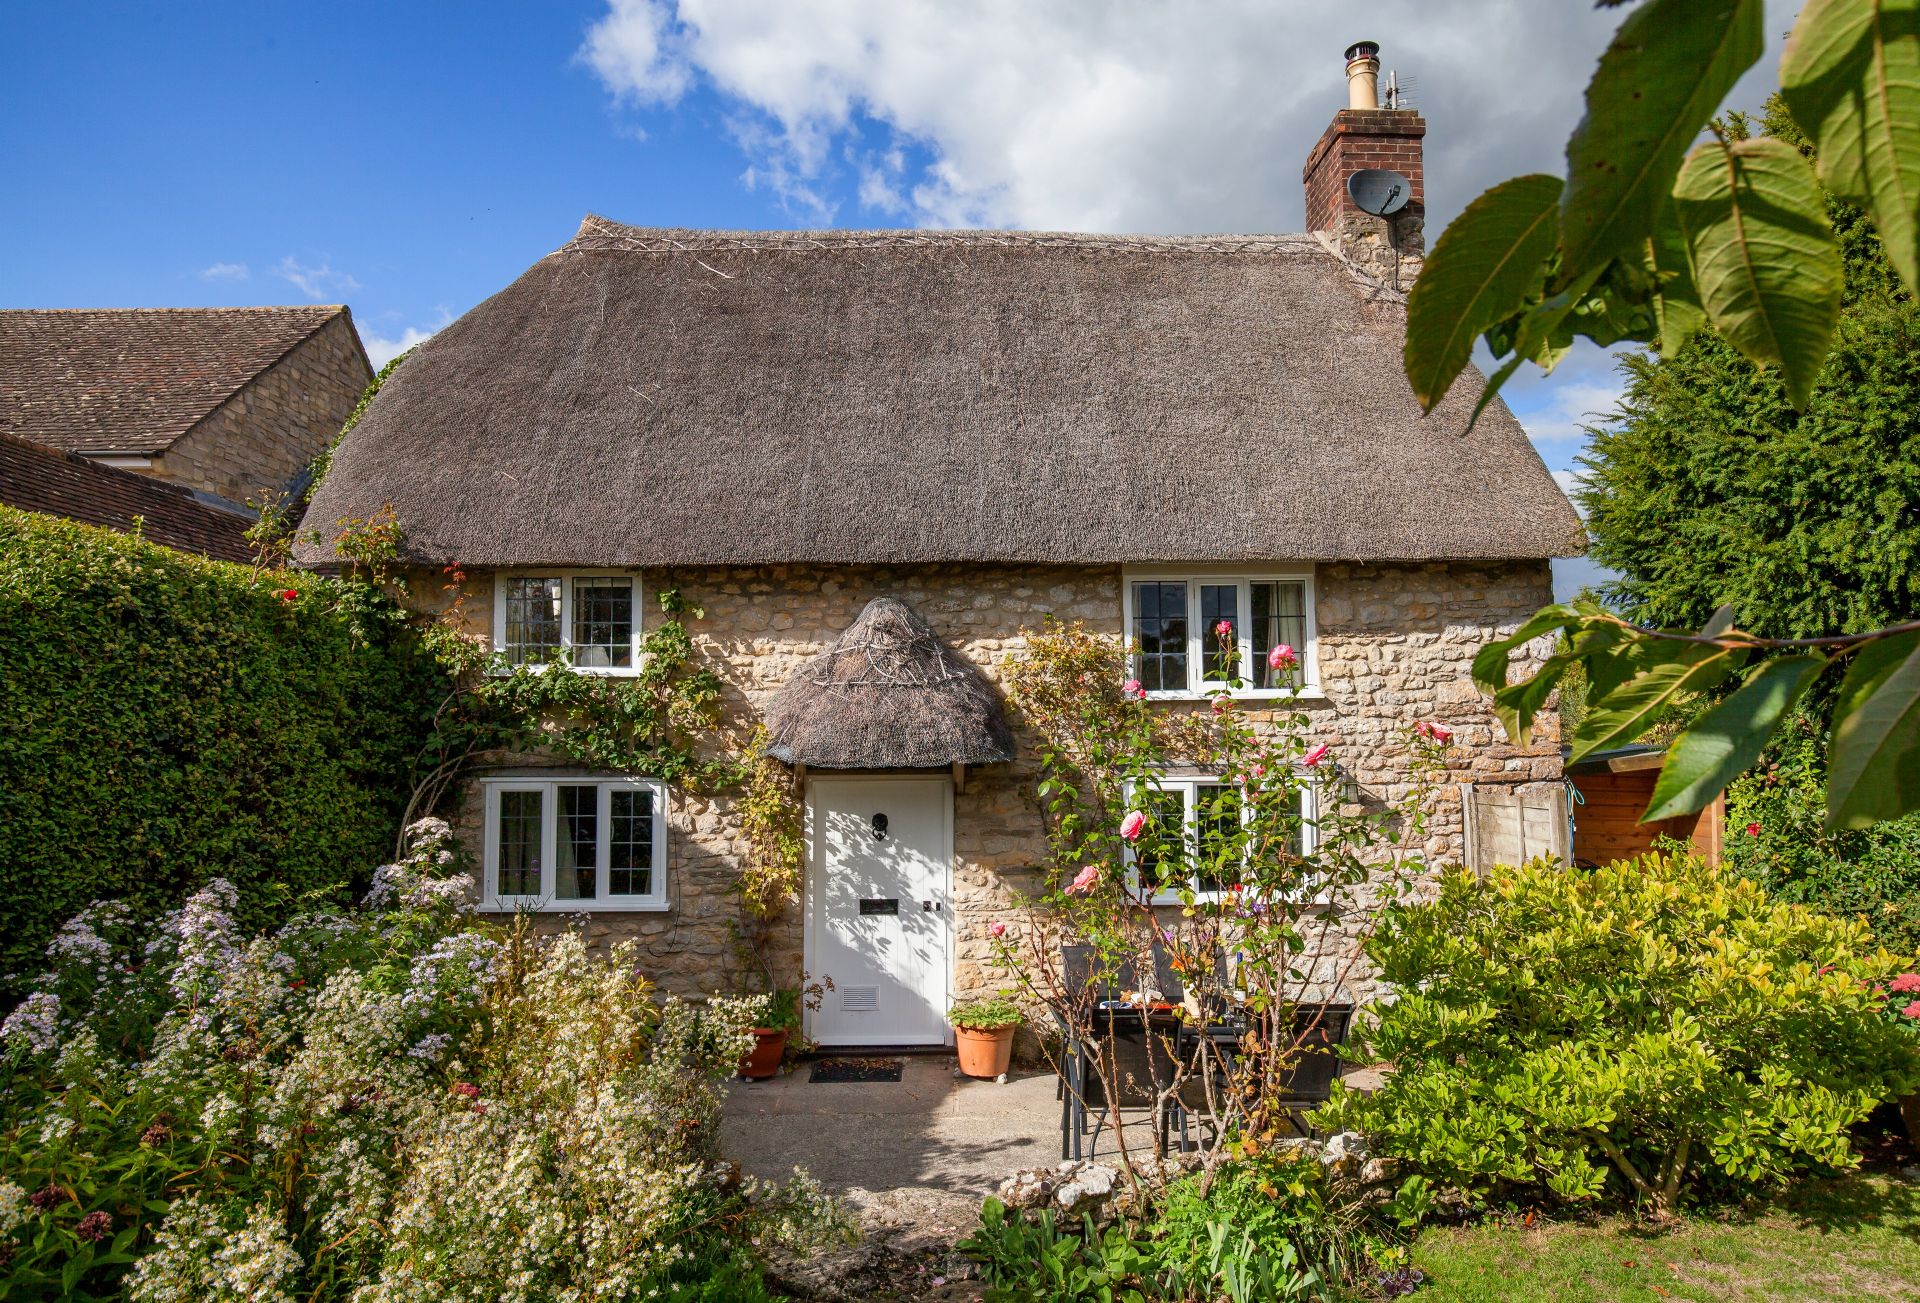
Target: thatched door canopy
(888, 694)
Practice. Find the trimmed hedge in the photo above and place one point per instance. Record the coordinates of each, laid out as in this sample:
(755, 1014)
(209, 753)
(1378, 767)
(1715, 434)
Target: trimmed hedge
(165, 719)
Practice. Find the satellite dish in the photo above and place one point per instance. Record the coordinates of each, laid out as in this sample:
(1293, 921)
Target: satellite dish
(1379, 191)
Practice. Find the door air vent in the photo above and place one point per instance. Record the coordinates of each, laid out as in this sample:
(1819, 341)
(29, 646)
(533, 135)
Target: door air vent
(859, 999)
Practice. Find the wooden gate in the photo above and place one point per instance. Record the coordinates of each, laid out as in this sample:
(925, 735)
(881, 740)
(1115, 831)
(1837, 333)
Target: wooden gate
(1514, 825)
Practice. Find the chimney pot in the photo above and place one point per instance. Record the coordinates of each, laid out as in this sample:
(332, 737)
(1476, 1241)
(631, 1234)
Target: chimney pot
(1363, 75)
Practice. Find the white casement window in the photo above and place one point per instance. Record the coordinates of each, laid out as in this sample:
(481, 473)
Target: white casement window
(574, 844)
(1173, 619)
(1204, 810)
(590, 620)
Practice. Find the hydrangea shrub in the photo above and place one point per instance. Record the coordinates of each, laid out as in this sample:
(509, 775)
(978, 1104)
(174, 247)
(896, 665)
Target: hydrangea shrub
(382, 1103)
(1654, 1029)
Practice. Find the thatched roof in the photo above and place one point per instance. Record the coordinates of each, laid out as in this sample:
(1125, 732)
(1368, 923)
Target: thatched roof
(681, 397)
(888, 694)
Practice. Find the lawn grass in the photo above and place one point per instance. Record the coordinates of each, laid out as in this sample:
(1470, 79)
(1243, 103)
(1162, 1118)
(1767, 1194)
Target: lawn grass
(1857, 1238)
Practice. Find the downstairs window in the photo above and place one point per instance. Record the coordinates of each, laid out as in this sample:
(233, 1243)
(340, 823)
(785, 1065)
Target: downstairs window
(574, 844)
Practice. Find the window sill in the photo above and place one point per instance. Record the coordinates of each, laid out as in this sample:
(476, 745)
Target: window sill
(1309, 695)
(508, 671)
(534, 906)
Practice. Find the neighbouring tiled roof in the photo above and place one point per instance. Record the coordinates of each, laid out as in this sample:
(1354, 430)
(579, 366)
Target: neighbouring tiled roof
(133, 380)
(59, 483)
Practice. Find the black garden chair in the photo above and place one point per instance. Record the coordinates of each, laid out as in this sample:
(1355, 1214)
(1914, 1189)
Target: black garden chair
(1130, 1044)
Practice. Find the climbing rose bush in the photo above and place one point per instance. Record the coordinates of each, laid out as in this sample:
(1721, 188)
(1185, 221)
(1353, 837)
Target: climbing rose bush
(1654, 1029)
(386, 1103)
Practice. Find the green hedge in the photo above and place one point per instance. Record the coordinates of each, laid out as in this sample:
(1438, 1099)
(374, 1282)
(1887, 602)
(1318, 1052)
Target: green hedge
(166, 719)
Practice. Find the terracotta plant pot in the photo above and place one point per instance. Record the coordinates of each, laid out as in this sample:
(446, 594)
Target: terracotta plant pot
(984, 1052)
(763, 1060)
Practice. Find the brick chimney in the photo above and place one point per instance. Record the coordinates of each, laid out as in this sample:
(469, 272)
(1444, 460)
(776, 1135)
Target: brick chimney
(1364, 135)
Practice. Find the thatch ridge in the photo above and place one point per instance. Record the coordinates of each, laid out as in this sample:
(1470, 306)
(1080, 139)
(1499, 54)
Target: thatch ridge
(665, 397)
(888, 694)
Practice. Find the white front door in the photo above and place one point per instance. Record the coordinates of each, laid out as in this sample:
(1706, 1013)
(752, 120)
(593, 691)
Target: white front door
(880, 909)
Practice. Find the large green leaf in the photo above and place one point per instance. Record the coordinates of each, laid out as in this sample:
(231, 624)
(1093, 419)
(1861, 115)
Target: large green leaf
(1659, 673)
(1873, 763)
(1851, 76)
(1676, 304)
(1490, 662)
(1723, 743)
(1765, 262)
(1487, 262)
(1666, 71)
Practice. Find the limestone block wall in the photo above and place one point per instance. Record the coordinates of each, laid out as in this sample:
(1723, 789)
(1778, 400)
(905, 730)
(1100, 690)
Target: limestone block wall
(1395, 644)
(261, 439)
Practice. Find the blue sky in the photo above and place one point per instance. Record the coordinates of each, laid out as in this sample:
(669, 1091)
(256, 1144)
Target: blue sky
(409, 159)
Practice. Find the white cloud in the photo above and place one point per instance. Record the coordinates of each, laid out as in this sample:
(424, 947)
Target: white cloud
(1571, 406)
(317, 283)
(382, 349)
(225, 271)
(1091, 115)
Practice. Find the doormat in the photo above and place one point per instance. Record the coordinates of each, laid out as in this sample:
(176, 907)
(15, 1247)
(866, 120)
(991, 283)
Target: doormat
(836, 1070)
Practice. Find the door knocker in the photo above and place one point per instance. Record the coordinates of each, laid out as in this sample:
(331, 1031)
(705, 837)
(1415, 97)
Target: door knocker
(879, 827)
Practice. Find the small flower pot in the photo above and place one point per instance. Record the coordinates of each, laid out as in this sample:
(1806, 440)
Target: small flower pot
(763, 1060)
(984, 1052)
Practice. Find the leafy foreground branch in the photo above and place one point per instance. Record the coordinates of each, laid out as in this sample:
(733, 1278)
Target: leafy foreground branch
(388, 1103)
(1645, 241)
(1634, 674)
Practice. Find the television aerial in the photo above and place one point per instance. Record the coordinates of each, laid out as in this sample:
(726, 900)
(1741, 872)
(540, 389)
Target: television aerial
(1382, 192)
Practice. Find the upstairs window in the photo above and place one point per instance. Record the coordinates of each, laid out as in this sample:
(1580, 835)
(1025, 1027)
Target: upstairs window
(1173, 622)
(589, 620)
(574, 844)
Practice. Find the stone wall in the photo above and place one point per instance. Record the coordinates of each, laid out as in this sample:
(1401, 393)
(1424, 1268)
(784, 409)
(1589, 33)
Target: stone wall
(262, 439)
(1395, 644)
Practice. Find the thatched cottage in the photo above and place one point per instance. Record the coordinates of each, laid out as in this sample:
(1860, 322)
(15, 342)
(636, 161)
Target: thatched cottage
(877, 460)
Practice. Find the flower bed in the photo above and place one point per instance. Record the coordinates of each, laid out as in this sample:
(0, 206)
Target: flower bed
(387, 1103)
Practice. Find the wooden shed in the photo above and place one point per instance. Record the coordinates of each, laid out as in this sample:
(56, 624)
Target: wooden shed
(1610, 791)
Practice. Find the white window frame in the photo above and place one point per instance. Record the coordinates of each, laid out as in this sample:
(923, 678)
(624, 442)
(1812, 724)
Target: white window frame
(1198, 685)
(1189, 785)
(544, 901)
(566, 578)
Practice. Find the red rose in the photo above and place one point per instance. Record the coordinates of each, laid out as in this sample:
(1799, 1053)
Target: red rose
(1753, 830)
(289, 594)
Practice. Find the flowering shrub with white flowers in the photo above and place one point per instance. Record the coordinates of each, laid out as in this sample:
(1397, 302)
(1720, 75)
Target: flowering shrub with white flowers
(388, 1103)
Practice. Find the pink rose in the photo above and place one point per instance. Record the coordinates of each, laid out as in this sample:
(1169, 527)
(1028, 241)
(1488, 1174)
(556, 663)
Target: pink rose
(1315, 754)
(1132, 688)
(1753, 830)
(1085, 882)
(1133, 825)
(1435, 732)
(1912, 1010)
(1281, 657)
(1221, 705)
(1224, 629)
(996, 929)
(1905, 982)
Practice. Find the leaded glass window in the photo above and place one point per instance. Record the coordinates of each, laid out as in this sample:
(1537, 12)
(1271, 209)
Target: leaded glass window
(533, 620)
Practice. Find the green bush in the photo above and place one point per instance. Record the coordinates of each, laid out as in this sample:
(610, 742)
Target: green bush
(1656, 1028)
(167, 720)
(1776, 835)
